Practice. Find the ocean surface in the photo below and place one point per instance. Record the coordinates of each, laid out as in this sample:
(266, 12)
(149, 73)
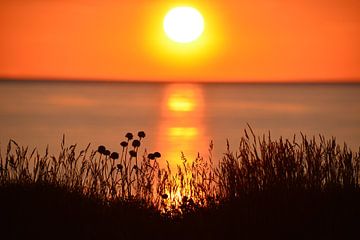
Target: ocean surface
(176, 117)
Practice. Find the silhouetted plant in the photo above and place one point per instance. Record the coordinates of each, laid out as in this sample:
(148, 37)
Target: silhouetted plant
(133, 153)
(124, 144)
(260, 164)
(129, 136)
(119, 167)
(141, 134)
(136, 143)
(107, 153)
(114, 155)
(101, 149)
(153, 156)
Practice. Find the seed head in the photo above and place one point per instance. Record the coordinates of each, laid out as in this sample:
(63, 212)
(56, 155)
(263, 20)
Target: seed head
(157, 154)
(119, 167)
(136, 143)
(124, 144)
(107, 153)
(141, 134)
(114, 155)
(129, 136)
(101, 149)
(132, 153)
(151, 156)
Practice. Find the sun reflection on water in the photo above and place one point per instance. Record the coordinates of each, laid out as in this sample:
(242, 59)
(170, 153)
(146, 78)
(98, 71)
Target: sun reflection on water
(181, 132)
(180, 104)
(181, 125)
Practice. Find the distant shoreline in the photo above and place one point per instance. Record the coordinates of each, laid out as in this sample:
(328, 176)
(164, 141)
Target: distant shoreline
(334, 82)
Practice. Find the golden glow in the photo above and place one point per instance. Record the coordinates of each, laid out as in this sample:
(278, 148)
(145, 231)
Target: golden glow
(278, 40)
(180, 104)
(183, 132)
(178, 57)
(183, 24)
(184, 98)
(182, 123)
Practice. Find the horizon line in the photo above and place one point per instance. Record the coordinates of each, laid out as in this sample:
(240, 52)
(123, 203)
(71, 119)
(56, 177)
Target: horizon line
(142, 81)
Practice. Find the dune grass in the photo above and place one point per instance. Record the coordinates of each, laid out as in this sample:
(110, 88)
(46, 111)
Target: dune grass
(306, 188)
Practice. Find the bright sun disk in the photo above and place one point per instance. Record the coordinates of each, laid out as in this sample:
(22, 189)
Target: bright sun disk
(183, 24)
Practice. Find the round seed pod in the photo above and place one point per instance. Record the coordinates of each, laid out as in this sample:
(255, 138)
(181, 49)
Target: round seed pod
(141, 134)
(136, 143)
(114, 155)
(101, 149)
(129, 136)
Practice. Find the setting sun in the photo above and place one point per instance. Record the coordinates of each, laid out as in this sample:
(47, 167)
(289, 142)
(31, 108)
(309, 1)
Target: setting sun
(183, 24)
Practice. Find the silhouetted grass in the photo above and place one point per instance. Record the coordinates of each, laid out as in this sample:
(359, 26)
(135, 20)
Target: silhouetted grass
(277, 189)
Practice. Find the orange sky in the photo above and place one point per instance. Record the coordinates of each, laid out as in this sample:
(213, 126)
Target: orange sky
(257, 40)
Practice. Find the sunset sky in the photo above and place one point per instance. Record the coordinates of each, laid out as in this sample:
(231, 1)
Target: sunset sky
(258, 40)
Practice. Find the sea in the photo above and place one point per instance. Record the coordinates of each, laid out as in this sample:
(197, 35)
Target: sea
(179, 119)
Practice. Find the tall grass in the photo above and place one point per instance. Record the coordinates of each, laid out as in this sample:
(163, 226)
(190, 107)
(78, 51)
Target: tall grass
(258, 165)
(263, 164)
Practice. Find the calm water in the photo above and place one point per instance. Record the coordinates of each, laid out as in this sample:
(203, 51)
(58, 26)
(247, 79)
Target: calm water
(176, 117)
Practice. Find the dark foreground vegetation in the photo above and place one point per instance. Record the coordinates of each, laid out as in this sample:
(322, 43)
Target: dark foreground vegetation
(266, 189)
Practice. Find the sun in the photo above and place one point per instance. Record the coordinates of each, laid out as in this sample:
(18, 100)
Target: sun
(184, 24)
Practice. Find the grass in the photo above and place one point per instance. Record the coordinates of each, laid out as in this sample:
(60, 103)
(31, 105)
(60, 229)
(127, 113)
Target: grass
(305, 188)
